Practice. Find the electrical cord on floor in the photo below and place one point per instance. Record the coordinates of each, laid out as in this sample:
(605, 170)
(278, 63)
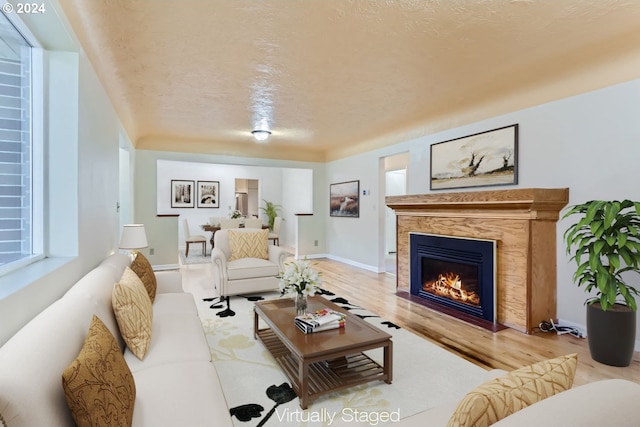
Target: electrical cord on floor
(550, 326)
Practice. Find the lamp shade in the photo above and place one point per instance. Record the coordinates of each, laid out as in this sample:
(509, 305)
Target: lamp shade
(133, 237)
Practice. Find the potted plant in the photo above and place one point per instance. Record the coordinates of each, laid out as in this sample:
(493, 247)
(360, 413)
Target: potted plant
(606, 245)
(271, 210)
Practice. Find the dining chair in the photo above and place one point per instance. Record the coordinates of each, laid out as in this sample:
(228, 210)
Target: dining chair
(275, 233)
(226, 223)
(253, 223)
(193, 238)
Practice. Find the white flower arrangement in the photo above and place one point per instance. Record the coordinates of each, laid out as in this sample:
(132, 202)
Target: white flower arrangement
(299, 278)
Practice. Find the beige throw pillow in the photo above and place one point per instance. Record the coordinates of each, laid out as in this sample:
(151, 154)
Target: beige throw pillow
(248, 244)
(98, 384)
(134, 312)
(501, 397)
(142, 267)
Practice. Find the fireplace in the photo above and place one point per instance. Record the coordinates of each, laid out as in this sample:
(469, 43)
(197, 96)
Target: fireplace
(455, 273)
(521, 221)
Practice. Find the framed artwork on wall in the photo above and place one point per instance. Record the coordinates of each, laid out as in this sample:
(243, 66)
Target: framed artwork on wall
(208, 194)
(482, 159)
(182, 193)
(344, 199)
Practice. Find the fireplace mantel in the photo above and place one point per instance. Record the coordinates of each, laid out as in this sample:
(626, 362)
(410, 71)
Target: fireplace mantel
(528, 202)
(521, 221)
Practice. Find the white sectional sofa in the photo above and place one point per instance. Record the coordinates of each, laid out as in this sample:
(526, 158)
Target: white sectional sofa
(601, 403)
(176, 383)
(612, 402)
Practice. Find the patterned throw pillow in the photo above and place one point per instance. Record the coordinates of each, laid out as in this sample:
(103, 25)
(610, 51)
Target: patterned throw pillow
(248, 244)
(98, 384)
(142, 267)
(501, 397)
(134, 312)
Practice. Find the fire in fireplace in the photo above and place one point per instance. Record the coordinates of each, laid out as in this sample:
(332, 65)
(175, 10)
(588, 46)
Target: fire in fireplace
(455, 281)
(455, 273)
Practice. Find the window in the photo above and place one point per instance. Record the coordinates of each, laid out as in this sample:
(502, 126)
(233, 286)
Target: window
(20, 226)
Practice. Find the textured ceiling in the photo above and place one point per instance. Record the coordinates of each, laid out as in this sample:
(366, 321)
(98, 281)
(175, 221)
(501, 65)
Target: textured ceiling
(332, 78)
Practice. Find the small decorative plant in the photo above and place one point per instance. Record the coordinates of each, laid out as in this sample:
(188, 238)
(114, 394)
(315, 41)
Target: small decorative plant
(235, 214)
(271, 211)
(606, 241)
(299, 278)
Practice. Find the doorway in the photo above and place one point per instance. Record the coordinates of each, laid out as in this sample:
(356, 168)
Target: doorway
(247, 197)
(125, 205)
(395, 184)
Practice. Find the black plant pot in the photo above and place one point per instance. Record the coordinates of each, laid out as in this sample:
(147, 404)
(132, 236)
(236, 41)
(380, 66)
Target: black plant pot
(611, 334)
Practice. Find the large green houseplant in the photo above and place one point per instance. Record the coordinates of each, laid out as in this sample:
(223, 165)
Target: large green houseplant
(605, 241)
(271, 211)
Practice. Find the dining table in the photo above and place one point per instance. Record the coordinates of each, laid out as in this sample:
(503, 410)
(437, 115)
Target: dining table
(213, 228)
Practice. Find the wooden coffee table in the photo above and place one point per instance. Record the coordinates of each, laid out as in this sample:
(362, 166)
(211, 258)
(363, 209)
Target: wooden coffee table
(326, 361)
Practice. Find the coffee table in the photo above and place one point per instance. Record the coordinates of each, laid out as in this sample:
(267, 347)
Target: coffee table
(322, 362)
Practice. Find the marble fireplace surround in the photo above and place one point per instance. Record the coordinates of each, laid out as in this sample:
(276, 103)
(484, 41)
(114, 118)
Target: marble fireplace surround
(521, 221)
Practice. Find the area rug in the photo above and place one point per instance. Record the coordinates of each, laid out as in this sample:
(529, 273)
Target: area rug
(195, 257)
(258, 393)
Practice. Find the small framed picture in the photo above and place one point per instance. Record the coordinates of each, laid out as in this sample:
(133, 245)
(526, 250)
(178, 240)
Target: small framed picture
(208, 194)
(182, 193)
(344, 199)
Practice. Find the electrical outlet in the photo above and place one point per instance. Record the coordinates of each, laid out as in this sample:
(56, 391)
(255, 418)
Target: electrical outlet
(151, 251)
(315, 243)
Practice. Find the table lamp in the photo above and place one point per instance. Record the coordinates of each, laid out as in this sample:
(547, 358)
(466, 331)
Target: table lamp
(133, 238)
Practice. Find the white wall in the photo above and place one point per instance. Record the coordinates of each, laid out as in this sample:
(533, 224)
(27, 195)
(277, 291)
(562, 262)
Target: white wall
(298, 198)
(356, 239)
(589, 143)
(127, 156)
(61, 139)
(98, 163)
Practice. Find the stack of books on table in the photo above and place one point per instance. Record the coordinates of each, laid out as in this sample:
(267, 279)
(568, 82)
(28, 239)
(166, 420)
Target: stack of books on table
(321, 320)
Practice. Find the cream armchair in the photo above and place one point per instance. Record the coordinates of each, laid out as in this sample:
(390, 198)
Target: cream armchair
(244, 263)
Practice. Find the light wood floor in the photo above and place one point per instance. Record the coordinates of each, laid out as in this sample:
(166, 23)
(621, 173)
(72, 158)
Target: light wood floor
(507, 349)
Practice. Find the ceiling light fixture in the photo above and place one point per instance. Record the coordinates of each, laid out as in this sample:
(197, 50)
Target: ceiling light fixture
(261, 135)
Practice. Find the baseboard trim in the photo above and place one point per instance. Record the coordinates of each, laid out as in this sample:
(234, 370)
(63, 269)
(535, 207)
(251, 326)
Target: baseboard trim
(355, 264)
(312, 256)
(583, 329)
(163, 267)
(343, 260)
